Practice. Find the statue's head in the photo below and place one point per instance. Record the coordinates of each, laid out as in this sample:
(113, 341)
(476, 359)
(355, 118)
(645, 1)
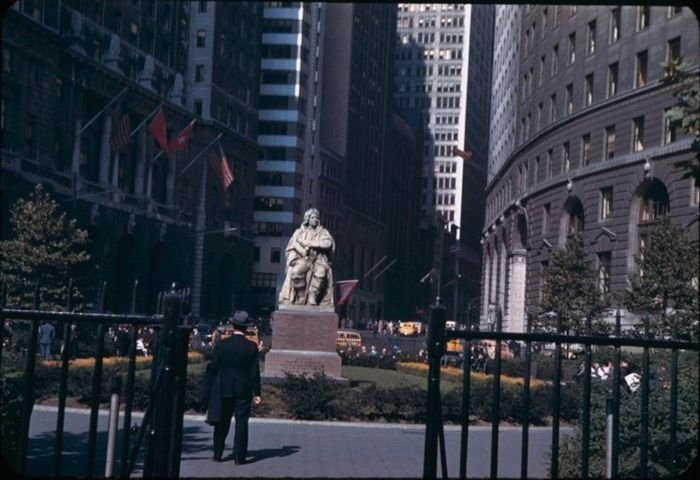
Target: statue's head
(309, 213)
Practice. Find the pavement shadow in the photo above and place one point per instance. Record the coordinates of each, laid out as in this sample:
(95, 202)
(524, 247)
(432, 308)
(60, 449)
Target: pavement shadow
(264, 453)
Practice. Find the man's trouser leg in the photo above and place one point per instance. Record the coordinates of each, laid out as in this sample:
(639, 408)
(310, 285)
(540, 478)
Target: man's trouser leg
(240, 435)
(221, 428)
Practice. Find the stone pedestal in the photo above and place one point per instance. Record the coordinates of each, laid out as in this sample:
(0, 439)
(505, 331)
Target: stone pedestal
(303, 342)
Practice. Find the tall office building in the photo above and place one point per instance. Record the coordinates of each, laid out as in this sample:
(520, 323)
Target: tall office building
(443, 70)
(594, 152)
(354, 138)
(287, 166)
(76, 72)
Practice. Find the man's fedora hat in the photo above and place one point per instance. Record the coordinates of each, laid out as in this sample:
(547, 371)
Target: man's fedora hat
(240, 318)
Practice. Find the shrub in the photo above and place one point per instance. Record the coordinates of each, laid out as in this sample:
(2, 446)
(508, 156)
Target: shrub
(11, 388)
(309, 397)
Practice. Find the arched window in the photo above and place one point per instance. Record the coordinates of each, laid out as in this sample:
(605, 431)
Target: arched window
(572, 220)
(655, 203)
(650, 203)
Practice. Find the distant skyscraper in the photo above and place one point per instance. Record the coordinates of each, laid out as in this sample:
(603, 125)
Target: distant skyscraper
(435, 54)
(443, 70)
(287, 134)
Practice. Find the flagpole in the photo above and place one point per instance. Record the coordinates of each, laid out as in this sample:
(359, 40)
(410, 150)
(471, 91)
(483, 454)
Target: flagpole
(199, 154)
(97, 115)
(148, 117)
(391, 264)
(375, 266)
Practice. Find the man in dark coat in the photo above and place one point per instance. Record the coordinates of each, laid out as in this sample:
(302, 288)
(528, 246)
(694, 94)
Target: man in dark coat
(233, 385)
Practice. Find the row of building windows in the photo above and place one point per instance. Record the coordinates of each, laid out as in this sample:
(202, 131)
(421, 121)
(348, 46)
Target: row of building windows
(525, 180)
(640, 79)
(430, 22)
(444, 183)
(643, 19)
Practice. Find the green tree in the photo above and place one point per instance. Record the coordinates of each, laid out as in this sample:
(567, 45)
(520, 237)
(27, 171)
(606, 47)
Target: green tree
(687, 109)
(666, 285)
(47, 249)
(570, 292)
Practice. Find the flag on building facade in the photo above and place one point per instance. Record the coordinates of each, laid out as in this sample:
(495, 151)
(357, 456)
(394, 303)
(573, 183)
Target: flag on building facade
(465, 155)
(179, 143)
(219, 162)
(121, 129)
(158, 129)
(345, 289)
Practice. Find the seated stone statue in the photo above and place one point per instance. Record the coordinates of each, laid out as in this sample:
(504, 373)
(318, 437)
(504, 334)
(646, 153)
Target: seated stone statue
(309, 278)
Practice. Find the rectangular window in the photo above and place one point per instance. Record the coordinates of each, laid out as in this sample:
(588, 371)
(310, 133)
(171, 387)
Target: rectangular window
(614, 24)
(545, 218)
(640, 77)
(642, 17)
(199, 73)
(638, 131)
(674, 10)
(6, 60)
(202, 6)
(604, 273)
(569, 98)
(198, 107)
(672, 127)
(572, 48)
(3, 109)
(566, 157)
(606, 205)
(610, 142)
(588, 90)
(539, 116)
(29, 138)
(274, 255)
(544, 21)
(550, 163)
(540, 79)
(696, 191)
(590, 43)
(674, 49)
(586, 149)
(553, 108)
(555, 60)
(536, 172)
(201, 38)
(612, 79)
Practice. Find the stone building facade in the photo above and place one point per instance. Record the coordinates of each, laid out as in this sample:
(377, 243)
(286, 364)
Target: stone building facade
(66, 66)
(594, 152)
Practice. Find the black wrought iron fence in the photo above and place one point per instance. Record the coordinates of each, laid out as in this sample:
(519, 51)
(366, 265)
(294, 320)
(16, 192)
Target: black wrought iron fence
(161, 426)
(434, 437)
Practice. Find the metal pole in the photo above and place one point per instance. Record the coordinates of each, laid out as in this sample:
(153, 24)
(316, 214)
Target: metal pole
(113, 425)
(199, 244)
(608, 437)
(436, 341)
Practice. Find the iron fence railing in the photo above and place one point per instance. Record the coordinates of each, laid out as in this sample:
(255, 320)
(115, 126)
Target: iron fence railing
(163, 417)
(434, 439)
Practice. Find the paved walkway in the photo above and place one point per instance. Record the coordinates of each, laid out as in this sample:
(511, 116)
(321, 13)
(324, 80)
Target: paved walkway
(297, 449)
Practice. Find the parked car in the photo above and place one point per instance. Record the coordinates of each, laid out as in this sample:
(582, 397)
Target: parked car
(490, 345)
(348, 338)
(410, 328)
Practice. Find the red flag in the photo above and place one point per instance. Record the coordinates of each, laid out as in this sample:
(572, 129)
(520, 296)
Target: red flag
(121, 130)
(345, 288)
(158, 129)
(465, 155)
(179, 143)
(219, 162)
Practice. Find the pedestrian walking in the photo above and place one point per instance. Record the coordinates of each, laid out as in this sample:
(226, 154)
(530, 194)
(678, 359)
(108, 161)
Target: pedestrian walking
(231, 387)
(46, 335)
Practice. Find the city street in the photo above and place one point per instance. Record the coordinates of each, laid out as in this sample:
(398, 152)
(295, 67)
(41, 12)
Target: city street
(298, 449)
